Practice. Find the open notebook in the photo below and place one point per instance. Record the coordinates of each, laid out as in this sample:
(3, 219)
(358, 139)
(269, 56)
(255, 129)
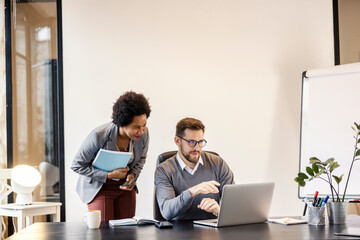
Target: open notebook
(131, 221)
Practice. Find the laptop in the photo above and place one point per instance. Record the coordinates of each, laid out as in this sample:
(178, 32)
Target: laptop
(243, 204)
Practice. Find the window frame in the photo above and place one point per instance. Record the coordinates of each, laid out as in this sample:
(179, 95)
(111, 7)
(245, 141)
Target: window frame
(58, 89)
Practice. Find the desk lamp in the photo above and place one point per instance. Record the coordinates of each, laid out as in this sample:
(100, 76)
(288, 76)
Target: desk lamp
(49, 177)
(24, 179)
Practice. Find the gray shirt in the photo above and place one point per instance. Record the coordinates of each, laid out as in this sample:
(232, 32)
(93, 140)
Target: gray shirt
(172, 186)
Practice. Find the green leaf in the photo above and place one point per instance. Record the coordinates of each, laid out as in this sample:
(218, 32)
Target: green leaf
(314, 160)
(300, 181)
(303, 175)
(333, 165)
(330, 160)
(315, 168)
(336, 179)
(358, 141)
(357, 125)
(357, 153)
(310, 171)
(322, 169)
(341, 177)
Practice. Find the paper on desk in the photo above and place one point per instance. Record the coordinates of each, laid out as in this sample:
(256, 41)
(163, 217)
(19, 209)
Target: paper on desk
(287, 221)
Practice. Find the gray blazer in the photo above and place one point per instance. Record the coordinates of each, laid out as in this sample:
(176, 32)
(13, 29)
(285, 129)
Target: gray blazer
(91, 179)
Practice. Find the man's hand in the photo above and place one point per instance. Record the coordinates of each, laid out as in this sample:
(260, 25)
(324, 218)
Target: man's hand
(119, 173)
(205, 188)
(130, 187)
(209, 205)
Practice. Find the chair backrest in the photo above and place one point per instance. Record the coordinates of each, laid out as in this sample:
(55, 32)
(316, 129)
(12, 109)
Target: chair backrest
(5, 189)
(162, 158)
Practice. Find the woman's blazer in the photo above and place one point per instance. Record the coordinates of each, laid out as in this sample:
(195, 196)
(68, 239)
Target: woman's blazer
(91, 179)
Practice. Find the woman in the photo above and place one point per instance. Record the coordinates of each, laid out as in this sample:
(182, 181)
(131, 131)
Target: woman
(127, 133)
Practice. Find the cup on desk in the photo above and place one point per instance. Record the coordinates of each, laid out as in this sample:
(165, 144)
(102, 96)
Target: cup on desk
(316, 216)
(93, 219)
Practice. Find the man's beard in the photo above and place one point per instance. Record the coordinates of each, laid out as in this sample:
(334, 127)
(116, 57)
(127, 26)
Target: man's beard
(187, 156)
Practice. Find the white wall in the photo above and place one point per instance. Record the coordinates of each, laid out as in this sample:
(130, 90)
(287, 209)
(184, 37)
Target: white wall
(236, 65)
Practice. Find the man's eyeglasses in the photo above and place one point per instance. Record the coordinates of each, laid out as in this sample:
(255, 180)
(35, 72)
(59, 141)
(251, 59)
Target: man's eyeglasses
(192, 143)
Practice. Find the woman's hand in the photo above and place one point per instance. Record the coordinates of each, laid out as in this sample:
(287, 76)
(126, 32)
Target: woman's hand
(119, 173)
(129, 187)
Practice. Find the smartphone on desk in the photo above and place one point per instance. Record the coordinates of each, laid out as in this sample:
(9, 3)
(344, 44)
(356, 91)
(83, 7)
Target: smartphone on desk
(163, 225)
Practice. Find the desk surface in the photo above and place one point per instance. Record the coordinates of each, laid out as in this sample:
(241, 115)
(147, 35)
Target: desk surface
(184, 230)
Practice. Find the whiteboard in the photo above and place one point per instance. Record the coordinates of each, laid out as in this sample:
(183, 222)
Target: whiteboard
(330, 106)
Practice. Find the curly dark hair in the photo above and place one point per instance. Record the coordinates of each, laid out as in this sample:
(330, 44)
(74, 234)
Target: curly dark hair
(129, 105)
(188, 123)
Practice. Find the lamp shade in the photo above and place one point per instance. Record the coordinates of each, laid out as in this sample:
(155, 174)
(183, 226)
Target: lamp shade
(24, 179)
(49, 177)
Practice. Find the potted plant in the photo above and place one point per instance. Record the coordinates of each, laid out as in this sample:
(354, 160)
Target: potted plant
(337, 209)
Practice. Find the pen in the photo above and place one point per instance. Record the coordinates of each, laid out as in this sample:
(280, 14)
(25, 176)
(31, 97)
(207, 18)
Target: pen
(307, 202)
(316, 202)
(315, 196)
(305, 207)
(320, 202)
(325, 201)
(304, 213)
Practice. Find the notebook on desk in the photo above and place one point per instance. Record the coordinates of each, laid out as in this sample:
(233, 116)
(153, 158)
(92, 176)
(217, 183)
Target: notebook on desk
(243, 204)
(350, 232)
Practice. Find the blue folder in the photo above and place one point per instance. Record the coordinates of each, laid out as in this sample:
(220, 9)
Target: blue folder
(108, 160)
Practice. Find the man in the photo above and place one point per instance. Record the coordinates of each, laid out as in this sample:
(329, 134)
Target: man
(189, 185)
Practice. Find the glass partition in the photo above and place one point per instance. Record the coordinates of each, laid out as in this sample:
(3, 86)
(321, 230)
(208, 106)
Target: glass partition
(34, 95)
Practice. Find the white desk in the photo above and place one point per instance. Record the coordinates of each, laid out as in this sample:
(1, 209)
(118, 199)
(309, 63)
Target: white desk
(28, 211)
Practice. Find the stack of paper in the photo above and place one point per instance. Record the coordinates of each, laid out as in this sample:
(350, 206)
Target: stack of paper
(287, 221)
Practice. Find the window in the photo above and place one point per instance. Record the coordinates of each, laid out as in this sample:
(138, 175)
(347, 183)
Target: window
(34, 93)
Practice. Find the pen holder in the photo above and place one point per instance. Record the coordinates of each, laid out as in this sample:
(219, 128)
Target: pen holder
(316, 216)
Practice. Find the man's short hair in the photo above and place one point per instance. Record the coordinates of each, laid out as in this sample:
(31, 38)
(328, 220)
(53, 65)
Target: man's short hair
(129, 105)
(188, 123)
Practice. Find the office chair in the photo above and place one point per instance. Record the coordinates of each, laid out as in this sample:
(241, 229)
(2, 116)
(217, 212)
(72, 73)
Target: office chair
(162, 158)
